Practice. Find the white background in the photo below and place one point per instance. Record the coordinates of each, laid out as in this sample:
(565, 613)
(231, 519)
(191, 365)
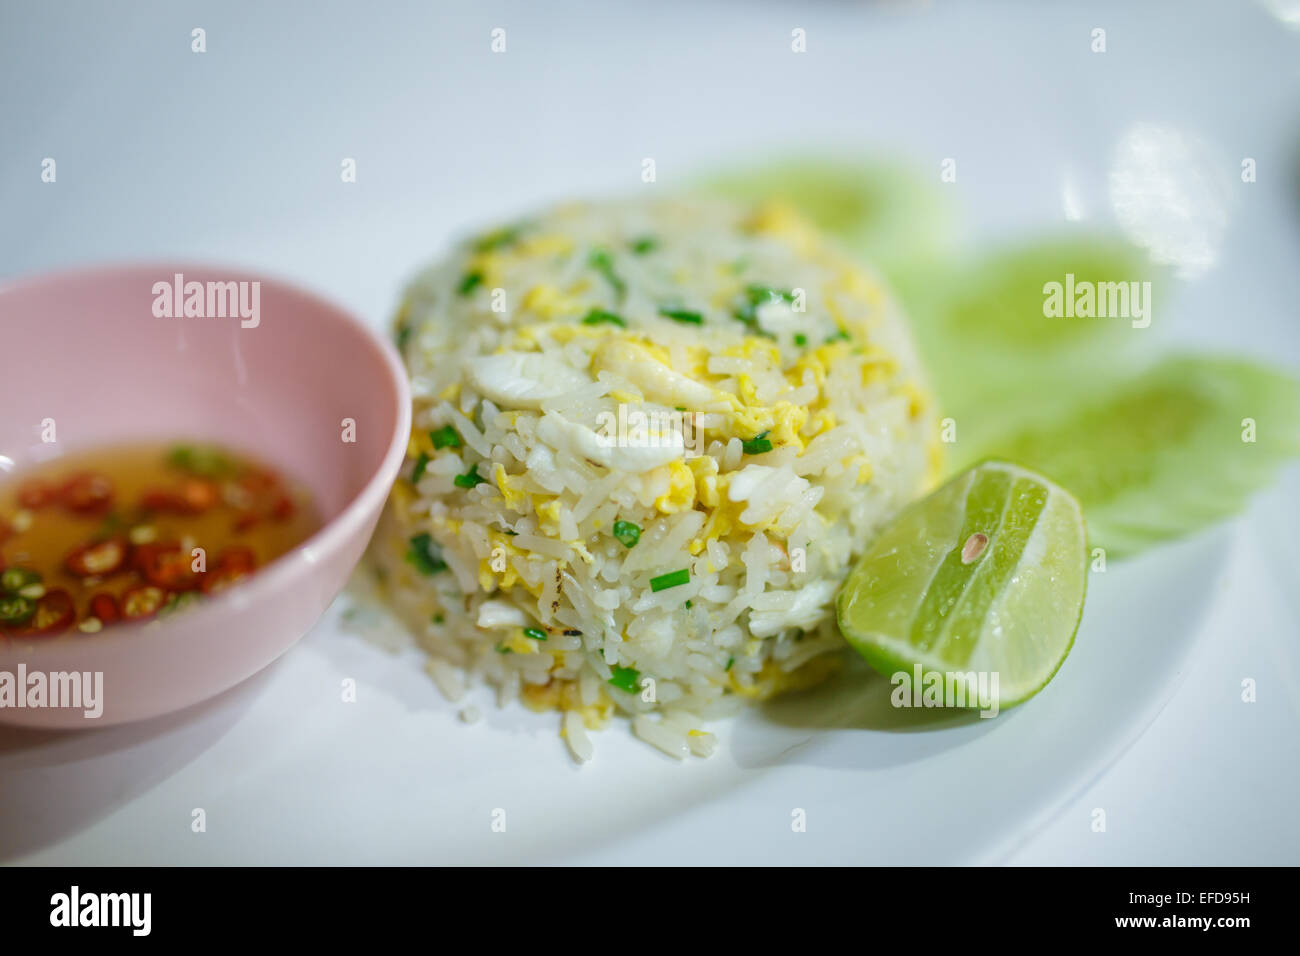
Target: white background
(234, 155)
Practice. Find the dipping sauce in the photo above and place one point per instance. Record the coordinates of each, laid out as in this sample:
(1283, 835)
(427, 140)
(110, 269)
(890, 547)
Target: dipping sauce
(128, 533)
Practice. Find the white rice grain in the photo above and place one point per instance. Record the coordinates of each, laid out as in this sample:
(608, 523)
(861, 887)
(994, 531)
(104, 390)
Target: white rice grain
(671, 742)
(575, 735)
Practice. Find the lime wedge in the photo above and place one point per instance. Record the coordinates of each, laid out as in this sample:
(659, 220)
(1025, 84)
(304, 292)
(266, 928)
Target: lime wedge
(983, 580)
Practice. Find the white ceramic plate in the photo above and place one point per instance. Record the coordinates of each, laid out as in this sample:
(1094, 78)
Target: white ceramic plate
(287, 772)
(236, 154)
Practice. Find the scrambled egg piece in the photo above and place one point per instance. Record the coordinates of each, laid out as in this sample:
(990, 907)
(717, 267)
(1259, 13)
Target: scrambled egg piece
(518, 643)
(548, 244)
(681, 488)
(511, 488)
(550, 302)
(708, 486)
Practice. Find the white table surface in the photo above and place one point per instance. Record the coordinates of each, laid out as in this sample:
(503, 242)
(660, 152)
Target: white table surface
(234, 155)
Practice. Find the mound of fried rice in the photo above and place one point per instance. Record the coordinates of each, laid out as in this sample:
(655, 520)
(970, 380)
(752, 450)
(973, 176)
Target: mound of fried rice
(649, 441)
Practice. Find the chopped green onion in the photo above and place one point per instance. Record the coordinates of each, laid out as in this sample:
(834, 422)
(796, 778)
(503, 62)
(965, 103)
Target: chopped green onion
(627, 533)
(761, 293)
(15, 579)
(756, 295)
(603, 263)
(181, 456)
(403, 336)
(178, 602)
(445, 437)
(502, 649)
(535, 633)
(421, 463)
(202, 460)
(730, 661)
(469, 479)
(757, 445)
(424, 555)
(438, 619)
(688, 605)
(496, 239)
(471, 282)
(16, 610)
(597, 316)
(113, 523)
(841, 335)
(746, 315)
(800, 339)
(670, 580)
(644, 244)
(683, 315)
(625, 678)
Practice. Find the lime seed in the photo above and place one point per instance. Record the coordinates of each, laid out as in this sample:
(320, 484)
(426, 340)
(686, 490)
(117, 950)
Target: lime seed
(974, 547)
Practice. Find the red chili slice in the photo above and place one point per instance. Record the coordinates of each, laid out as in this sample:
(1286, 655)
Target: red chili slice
(199, 494)
(195, 496)
(97, 559)
(167, 566)
(259, 482)
(283, 508)
(104, 607)
(220, 580)
(36, 493)
(246, 521)
(236, 558)
(143, 554)
(140, 603)
(55, 613)
(160, 500)
(87, 493)
(233, 563)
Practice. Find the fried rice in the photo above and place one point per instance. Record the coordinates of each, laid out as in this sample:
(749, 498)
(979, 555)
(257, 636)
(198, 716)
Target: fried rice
(649, 441)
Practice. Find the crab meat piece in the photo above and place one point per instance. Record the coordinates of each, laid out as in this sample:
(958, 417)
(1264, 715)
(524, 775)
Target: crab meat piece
(632, 453)
(495, 615)
(657, 381)
(523, 379)
(767, 617)
(771, 493)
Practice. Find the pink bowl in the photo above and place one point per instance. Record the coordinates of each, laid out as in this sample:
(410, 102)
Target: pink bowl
(85, 349)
